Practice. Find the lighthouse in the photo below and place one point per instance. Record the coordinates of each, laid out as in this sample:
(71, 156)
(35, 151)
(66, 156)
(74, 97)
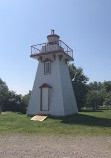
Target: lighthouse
(52, 91)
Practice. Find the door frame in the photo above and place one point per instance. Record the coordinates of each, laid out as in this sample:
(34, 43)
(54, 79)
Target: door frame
(41, 87)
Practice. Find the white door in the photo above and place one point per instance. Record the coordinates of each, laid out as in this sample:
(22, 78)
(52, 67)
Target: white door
(45, 99)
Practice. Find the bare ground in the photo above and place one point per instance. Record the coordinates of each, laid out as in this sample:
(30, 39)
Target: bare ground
(19, 146)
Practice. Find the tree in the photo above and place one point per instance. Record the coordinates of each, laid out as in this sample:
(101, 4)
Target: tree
(17, 102)
(10, 101)
(94, 99)
(107, 99)
(3, 94)
(25, 99)
(95, 86)
(14, 103)
(106, 88)
(79, 81)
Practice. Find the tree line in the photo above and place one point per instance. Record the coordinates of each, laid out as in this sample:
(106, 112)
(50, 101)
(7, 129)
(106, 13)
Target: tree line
(91, 95)
(10, 101)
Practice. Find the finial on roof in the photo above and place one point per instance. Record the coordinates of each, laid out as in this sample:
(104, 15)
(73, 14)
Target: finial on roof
(52, 31)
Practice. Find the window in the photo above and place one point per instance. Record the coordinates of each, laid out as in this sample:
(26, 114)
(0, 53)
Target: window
(47, 67)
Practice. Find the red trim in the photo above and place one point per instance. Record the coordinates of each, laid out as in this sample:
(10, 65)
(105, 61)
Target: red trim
(47, 59)
(50, 67)
(54, 56)
(48, 99)
(51, 52)
(40, 59)
(45, 85)
(44, 68)
(46, 53)
(53, 35)
(66, 60)
(51, 43)
(41, 99)
(60, 57)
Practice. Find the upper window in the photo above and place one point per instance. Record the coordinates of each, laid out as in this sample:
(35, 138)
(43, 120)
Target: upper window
(47, 67)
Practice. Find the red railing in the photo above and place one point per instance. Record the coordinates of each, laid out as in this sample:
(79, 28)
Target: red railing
(36, 49)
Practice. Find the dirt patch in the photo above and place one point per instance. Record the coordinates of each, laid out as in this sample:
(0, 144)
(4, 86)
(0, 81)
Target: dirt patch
(54, 147)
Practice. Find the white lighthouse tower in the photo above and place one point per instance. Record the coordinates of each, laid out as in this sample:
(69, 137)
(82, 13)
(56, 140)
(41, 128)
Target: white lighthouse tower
(52, 90)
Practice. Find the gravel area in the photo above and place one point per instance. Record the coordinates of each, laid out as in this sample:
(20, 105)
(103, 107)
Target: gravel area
(19, 146)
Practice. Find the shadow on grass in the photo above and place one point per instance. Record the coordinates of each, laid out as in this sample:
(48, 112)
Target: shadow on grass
(82, 119)
(98, 110)
(104, 109)
(92, 110)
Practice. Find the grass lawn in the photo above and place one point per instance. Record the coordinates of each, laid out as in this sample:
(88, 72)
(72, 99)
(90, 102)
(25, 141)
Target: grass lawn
(84, 124)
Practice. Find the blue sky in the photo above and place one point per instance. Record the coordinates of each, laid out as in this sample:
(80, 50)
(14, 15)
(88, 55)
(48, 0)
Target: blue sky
(84, 25)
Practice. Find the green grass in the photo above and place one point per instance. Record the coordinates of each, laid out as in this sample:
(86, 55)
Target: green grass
(84, 124)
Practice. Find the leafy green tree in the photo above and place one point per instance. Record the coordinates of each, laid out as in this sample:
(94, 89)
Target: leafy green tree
(94, 99)
(79, 81)
(107, 93)
(106, 87)
(17, 102)
(3, 94)
(107, 99)
(25, 99)
(10, 101)
(95, 86)
(14, 102)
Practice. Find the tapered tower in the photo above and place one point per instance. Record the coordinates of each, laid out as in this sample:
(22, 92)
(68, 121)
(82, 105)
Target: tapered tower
(52, 91)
